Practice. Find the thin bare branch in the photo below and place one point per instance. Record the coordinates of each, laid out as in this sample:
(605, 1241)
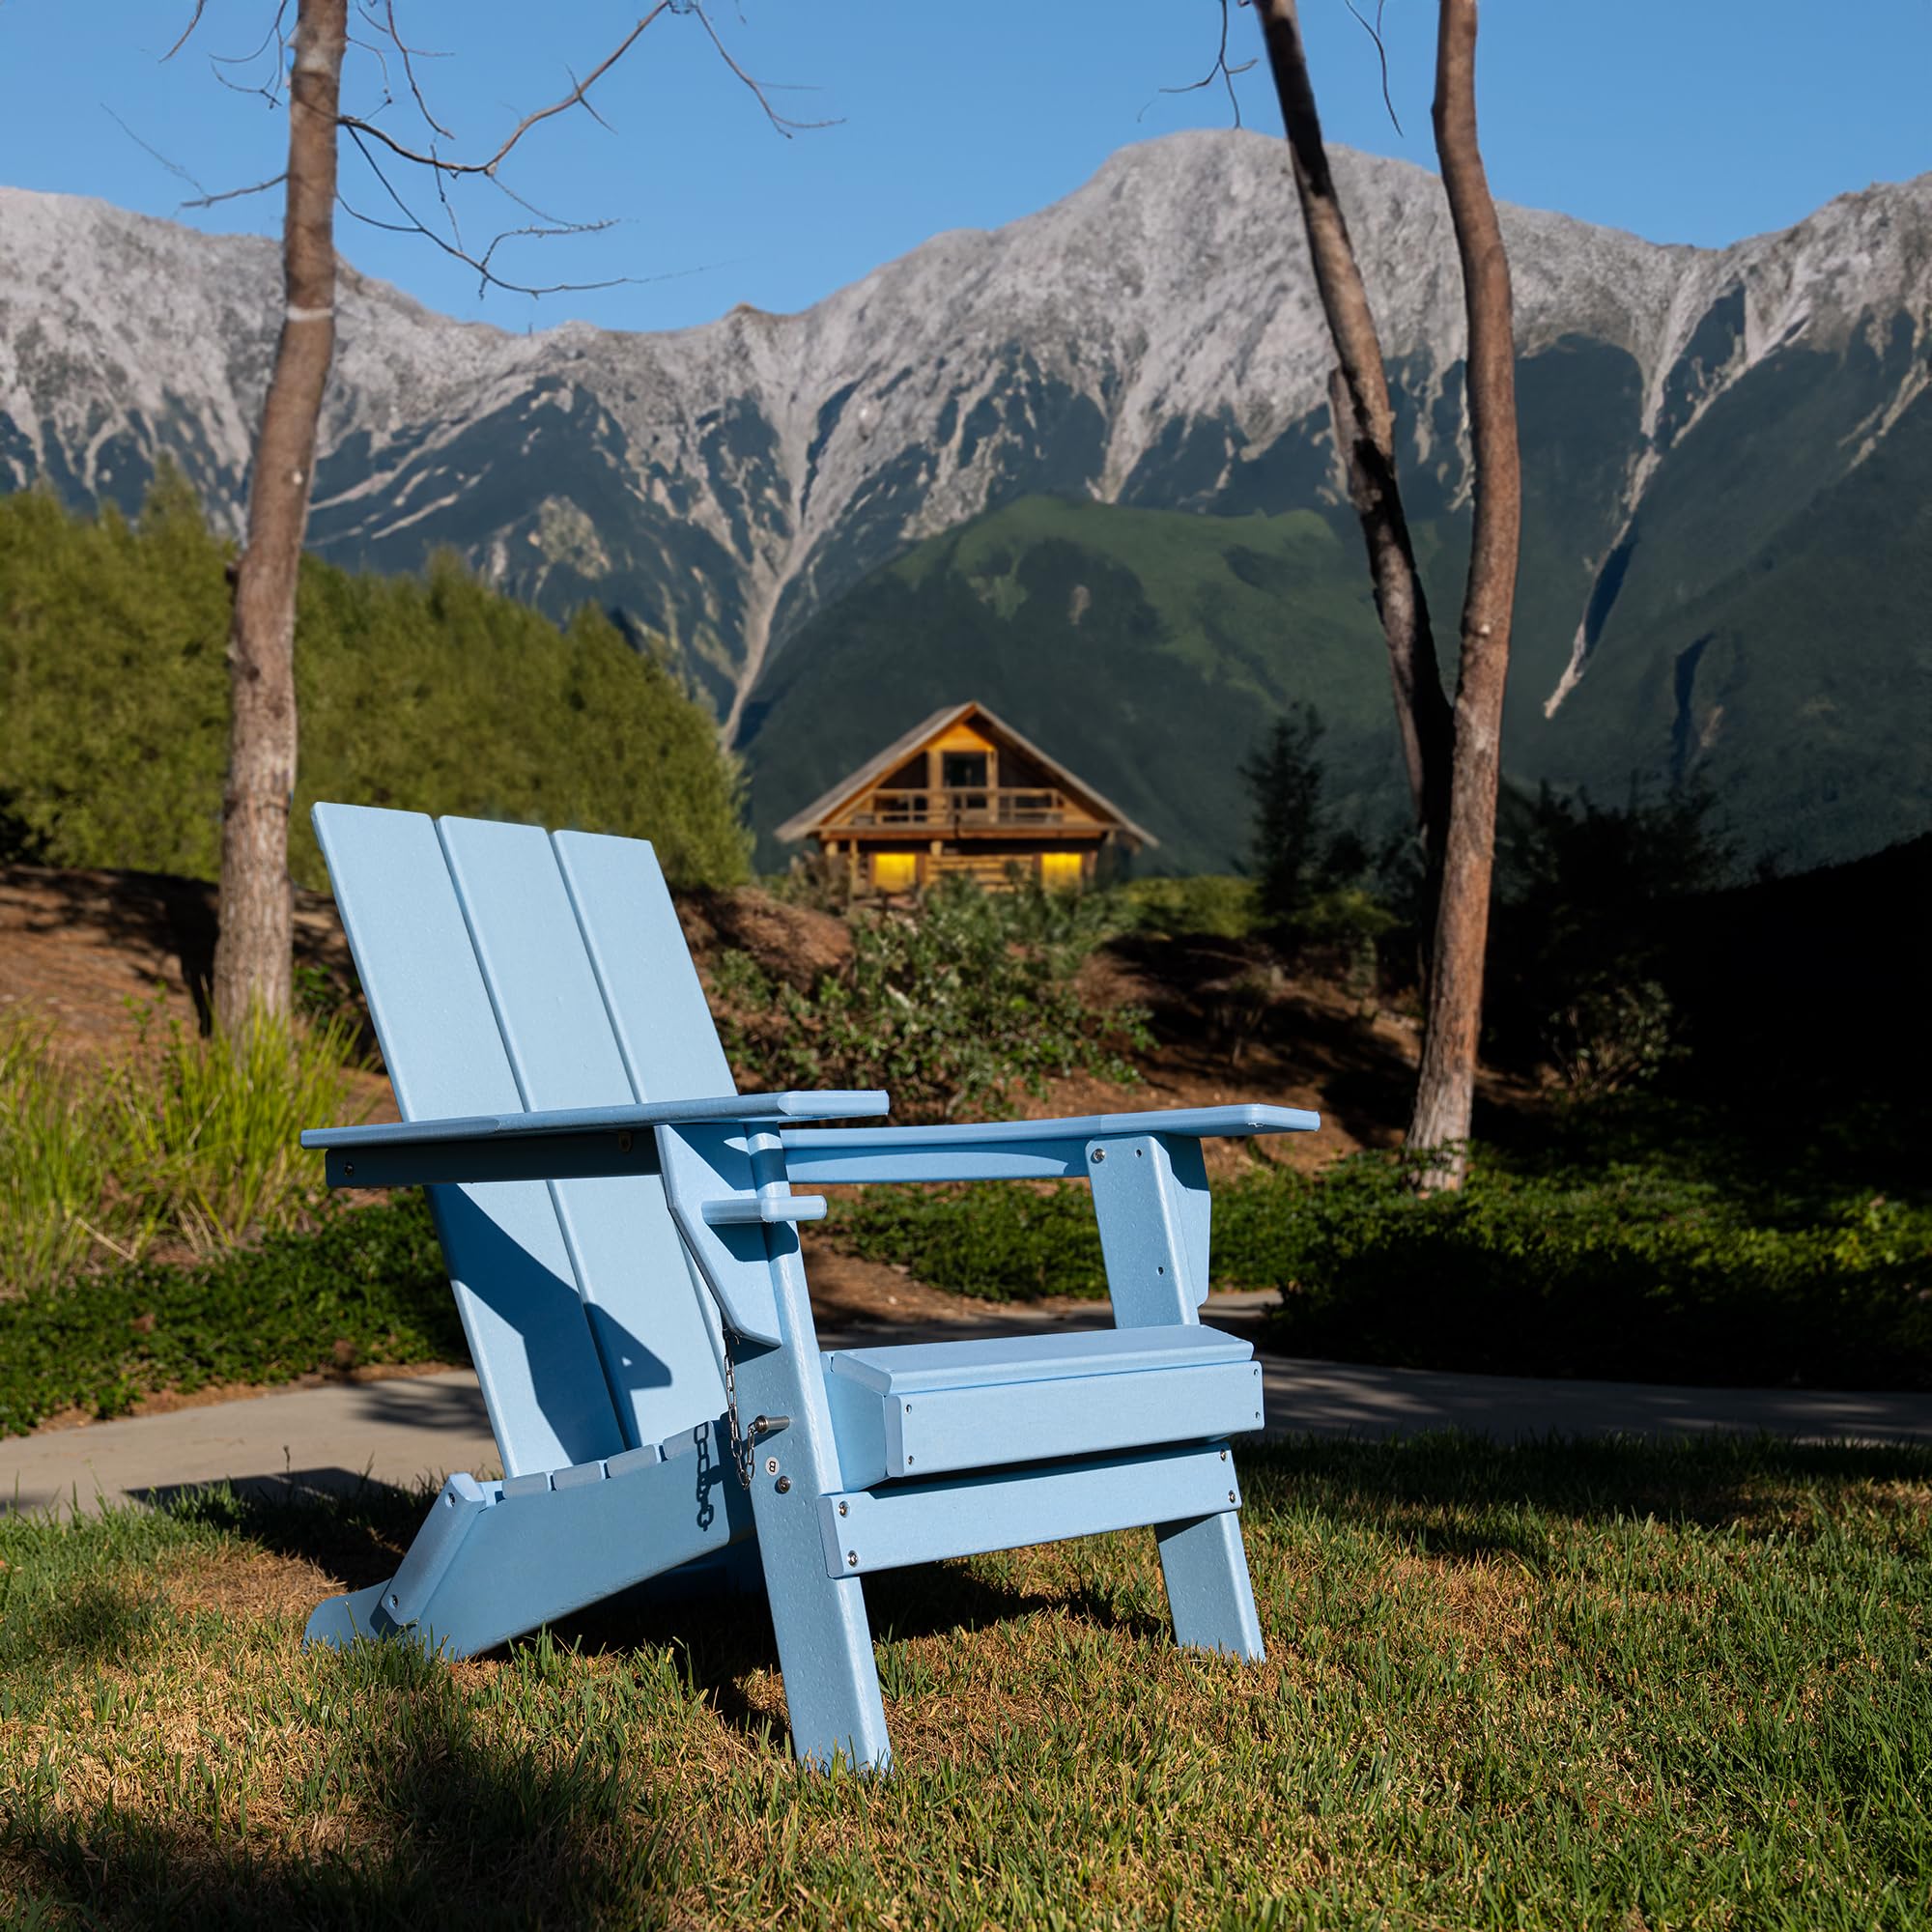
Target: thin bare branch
(523, 201)
(590, 110)
(1221, 71)
(174, 167)
(1374, 33)
(279, 64)
(273, 34)
(575, 98)
(239, 194)
(412, 223)
(187, 33)
(785, 124)
(409, 54)
(382, 61)
(271, 94)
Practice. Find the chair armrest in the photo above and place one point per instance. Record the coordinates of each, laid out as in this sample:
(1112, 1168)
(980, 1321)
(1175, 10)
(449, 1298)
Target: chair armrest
(562, 1144)
(1011, 1150)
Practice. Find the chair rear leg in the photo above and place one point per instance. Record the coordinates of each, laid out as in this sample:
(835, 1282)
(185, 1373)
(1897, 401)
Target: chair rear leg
(1209, 1592)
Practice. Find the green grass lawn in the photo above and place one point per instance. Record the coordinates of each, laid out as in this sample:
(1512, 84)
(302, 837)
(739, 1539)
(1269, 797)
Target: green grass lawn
(1555, 1685)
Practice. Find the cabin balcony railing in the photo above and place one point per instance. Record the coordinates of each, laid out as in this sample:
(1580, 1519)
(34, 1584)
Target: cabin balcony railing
(944, 808)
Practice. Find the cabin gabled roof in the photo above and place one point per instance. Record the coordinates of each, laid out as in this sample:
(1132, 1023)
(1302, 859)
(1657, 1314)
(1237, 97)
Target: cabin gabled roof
(824, 808)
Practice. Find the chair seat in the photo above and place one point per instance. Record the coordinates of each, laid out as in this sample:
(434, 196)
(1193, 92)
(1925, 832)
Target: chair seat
(917, 1409)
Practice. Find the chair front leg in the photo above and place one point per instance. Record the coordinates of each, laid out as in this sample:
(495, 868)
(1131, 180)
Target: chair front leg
(824, 1638)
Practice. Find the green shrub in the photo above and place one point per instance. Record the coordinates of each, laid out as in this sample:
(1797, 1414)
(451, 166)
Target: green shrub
(947, 1006)
(182, 1139)
(1624, 1273)
(365, 1287)
(434, 692)
(1210, 905)
(995, 1243)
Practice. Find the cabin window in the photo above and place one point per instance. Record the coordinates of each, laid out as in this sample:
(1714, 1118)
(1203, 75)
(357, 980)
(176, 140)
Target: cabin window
(962, 770)
(895, 871)
(1059, 871)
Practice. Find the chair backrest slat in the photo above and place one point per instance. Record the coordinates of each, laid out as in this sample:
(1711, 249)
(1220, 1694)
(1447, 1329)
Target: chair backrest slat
(637, 948)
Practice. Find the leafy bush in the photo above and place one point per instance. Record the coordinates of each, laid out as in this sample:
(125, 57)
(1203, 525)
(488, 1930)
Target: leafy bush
(1629, 1272)
(366, 1287)
(1611, 1033)
(182, 1139)
(434, 692)
(1210, 905)
(993, 1241)
(947, 1006)
(1585, 933)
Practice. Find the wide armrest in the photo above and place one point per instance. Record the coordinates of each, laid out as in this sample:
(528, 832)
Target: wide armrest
(560, 1144)
(1011, 1150)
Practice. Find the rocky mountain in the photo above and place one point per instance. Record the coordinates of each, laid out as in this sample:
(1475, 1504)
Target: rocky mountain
(1079, 466)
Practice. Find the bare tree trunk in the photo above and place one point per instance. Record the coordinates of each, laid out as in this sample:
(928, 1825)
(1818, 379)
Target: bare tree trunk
(1364, 424)
(1445, 1090)
(252, 956)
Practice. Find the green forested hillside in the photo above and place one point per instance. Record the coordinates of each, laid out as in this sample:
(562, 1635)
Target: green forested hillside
(1763, 631)
(430, 692)
(1146, 648)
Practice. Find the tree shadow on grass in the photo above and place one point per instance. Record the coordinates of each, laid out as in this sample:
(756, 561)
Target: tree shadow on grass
(350, 1525)
(91, 1620)
(424, 1817)
(1468, 1496)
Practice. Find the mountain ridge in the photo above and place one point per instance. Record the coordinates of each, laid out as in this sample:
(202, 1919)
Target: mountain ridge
(1151, 340)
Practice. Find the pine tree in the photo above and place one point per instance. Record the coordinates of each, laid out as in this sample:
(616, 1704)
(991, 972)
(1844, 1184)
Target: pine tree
(1284, 781)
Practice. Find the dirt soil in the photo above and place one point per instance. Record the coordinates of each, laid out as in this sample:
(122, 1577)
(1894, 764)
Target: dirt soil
(84, 949)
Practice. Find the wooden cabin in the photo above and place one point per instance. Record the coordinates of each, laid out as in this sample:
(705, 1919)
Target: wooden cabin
(964, 792)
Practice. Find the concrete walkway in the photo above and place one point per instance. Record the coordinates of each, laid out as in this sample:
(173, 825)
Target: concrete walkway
(398, 1431)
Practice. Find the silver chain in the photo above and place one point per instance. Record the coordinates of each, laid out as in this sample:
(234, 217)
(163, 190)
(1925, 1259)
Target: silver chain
(741, 1443)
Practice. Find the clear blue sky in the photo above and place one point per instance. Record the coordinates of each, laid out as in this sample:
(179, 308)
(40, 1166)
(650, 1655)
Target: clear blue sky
(1684, 120)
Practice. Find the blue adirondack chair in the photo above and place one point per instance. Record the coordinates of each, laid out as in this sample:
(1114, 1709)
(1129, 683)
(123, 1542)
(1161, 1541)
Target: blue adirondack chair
(619, 1228)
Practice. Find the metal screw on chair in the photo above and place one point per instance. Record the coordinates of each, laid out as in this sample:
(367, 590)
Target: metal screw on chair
(852, 1558)
(1224, 1454)
(349, 1167)
(844, 1509)
(1099, 1155)
(1230, 1495)
(782, 1485)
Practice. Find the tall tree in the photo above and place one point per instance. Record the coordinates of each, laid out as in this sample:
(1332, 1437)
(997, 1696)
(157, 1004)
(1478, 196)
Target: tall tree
(253, 954)
(1452, 1022)
(1452, 756)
